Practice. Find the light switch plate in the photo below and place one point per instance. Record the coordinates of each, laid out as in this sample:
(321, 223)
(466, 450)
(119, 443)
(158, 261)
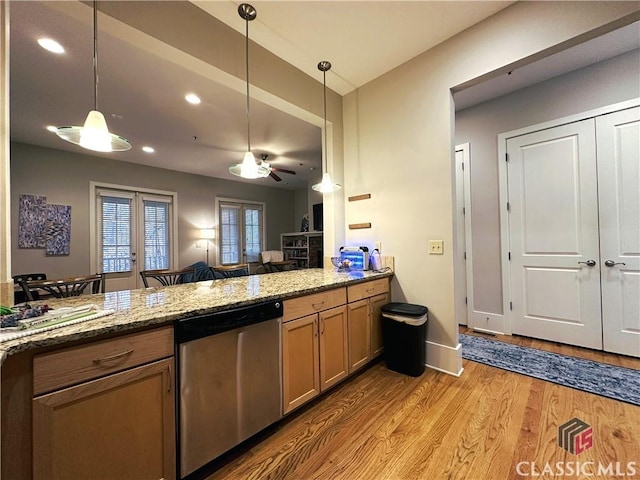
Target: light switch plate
(436, 247)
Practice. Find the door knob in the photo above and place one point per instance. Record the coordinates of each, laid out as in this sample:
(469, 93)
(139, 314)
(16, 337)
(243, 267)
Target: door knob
(611, 263)
(589, 263)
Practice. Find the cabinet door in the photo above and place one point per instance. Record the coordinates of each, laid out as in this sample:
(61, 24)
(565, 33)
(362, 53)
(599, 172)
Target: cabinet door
(119, 426)
(334, 362)
(359, 334)
(300, 361)
(376, 304)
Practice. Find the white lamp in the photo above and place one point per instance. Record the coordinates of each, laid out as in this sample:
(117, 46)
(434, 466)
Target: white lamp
(326, 185)
(94, 135)
(207, 234)
(248, 168)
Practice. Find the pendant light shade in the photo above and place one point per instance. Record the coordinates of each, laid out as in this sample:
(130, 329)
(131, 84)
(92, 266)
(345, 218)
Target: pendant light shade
(94, 134)
(249, 168)
(326, 185)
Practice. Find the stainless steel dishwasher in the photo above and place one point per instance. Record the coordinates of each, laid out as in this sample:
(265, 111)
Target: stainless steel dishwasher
(229, 377)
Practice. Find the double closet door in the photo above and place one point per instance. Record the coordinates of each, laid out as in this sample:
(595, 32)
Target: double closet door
(574, 233)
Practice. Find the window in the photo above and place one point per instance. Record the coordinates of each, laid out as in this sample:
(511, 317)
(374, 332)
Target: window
(156, 234)
(116, 233)
(241, 232)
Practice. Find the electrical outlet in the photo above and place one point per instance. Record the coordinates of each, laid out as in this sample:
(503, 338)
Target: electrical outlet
(436, 247)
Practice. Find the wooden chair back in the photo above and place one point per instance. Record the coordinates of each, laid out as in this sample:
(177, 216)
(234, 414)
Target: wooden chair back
(169, 277)
(65, 287)
(229, 271)
(21, 296)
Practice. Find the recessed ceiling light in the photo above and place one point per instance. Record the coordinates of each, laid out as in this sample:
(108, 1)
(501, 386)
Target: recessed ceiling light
(192, 98)
(148, 149)
(50, 45)
(52, 128)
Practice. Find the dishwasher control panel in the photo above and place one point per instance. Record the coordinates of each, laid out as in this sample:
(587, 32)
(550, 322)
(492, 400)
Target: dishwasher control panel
(199, 326)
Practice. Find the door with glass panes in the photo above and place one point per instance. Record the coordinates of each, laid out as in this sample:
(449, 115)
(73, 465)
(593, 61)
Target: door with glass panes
(134, 232)
(241, 232)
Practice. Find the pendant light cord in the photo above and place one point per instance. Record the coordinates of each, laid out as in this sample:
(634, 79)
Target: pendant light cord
(246, 56)
(95, 55)
(324, 92)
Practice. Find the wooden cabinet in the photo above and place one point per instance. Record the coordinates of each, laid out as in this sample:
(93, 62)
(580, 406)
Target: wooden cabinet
(109, 411)
(314, 346)
(365, 321)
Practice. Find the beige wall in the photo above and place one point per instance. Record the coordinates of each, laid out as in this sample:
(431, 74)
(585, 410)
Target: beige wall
(64, 177)
(602, 84)
(399, 140)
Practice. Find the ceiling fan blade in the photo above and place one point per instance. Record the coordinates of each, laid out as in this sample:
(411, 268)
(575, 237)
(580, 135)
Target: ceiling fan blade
(283, 170)
(274, 176)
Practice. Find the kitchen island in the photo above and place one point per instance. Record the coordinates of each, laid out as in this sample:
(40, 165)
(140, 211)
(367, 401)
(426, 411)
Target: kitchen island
(43, 377)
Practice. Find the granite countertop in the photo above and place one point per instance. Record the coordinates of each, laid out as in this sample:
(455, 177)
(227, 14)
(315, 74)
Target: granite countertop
(162, 305)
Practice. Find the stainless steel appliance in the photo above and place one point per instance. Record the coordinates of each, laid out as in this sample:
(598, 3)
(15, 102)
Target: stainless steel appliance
(229, 376)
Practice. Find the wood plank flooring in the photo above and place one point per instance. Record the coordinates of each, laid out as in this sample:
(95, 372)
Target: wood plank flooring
(384, 425)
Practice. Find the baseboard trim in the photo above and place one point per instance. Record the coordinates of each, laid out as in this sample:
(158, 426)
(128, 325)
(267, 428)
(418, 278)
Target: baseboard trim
(444, 358)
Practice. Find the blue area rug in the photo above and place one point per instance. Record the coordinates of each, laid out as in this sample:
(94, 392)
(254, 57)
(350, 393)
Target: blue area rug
(606, 380)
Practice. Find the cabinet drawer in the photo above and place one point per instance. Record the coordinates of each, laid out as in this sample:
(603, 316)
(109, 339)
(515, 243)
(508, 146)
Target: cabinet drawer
(73, 365)
(309, 304)
(367, 289)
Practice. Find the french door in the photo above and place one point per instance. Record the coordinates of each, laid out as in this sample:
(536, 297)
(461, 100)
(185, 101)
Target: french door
(134, 232)
(574, 233)
(241, 231)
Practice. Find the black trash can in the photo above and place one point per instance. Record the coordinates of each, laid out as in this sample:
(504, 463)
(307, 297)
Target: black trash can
(404, 327)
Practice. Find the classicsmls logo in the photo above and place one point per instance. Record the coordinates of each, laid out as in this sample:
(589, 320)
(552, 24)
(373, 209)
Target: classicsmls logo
(575, 436)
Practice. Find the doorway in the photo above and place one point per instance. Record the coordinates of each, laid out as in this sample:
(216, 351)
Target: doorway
(573, 229)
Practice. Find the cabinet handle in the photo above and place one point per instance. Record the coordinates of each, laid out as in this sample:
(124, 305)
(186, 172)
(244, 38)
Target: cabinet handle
(370, 290)
(322, 323)
(315, 328)
(98, 361)
(317, 306)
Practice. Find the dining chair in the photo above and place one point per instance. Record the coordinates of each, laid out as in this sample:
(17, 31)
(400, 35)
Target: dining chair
(230, 271)
(19, 296)
(169, 277)
(65, 287)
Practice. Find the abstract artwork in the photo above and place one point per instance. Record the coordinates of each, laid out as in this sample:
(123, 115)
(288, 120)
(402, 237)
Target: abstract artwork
(58, 232)
(32, 217)
(43, 225)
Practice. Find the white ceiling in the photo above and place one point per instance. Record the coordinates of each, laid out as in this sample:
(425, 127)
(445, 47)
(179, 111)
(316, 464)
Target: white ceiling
(47, 89)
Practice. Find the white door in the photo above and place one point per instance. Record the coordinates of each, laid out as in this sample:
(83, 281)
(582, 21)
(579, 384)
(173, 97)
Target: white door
(134, 232)
(462, 154)
(618, 148)
(553, 229)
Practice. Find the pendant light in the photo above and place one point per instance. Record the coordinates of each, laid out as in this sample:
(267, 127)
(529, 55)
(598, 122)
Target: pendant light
(326, 185)
(94, 135)
(248, 168)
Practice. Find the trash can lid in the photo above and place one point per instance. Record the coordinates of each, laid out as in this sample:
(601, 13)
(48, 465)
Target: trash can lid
(408, 309)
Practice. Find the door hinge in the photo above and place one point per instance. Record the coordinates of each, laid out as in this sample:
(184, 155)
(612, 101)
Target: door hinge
(465, 301)
(462, 165)
(464, 211)
(508, 207)
(465, 255)
(510, 305)
(506, 157)
(509, 255)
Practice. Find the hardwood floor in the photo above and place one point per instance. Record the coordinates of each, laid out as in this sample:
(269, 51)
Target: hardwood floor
(384, 425)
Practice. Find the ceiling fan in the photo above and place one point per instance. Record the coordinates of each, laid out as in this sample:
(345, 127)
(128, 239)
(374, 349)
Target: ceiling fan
(272, 169)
